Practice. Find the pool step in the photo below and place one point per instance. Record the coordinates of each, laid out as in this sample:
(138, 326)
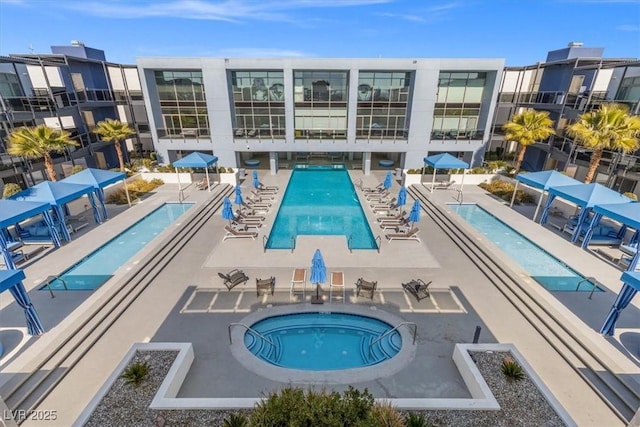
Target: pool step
(382, 350)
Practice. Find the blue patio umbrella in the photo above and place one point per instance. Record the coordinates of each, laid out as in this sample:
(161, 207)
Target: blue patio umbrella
(238, 200)
(227, 210)
(318, 273)
(402, 196)
(414, 215)
(387, 181)
(629, 290)
(12, 280)
(256, 180)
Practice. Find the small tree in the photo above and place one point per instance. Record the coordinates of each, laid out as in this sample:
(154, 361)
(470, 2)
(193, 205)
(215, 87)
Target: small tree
(39, 142)
(114, 131)
(526, 128)
(10, 189)
(610, 127)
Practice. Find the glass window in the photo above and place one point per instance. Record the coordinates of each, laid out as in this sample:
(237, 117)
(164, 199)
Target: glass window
(382, 104)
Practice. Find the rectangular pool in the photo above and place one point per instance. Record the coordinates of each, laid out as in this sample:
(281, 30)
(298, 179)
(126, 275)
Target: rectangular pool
(320, 201)
(98, 267)
(544, 268)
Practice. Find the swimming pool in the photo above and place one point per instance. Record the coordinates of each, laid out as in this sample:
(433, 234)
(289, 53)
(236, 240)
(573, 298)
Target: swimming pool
(323, 341)
(98, 267)
(320, 201)
(544, 268)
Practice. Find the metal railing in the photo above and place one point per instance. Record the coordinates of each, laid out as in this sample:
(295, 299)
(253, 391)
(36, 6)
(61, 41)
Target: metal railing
(459, 196)
(415, 332)
(378, 242)
(52, 278)
(593, 282)
(181, 195)
(349, 240)
(293, 243)
(264, 243)
(248, 328)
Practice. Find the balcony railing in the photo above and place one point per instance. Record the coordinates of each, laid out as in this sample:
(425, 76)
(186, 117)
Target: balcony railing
(260, 132)
(184, 133)
(455, 134)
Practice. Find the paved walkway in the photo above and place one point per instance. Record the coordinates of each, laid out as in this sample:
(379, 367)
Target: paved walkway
(187, 302)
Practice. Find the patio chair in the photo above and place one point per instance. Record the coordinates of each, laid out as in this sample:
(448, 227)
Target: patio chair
(409, 235)
(442, 185)
(238, 234)
(337, 281)
(16, 256)
(397, 216)
(418, 288)
(246, 215)
(366, 287)
(267, 285)
(202, 185)
(234, 278)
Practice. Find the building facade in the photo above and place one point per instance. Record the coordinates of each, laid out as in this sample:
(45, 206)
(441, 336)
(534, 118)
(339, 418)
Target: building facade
(275, 111)
(73, 88)
(571, 81)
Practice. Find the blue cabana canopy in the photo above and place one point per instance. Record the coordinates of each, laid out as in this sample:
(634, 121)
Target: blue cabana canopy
(196, 160)
(542, 180)
(12, 280)
(12, 212)
(445, 161)
(99, 179)
(626, 213)
(629, 289)
(58, 194)
(585, 196)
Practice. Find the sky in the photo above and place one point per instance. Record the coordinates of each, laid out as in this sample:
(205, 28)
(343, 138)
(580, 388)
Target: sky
(520, 31)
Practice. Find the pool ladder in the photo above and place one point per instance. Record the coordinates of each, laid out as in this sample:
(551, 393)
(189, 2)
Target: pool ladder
(594, 282)
(415, 332)
(50, 279)
(252, 331)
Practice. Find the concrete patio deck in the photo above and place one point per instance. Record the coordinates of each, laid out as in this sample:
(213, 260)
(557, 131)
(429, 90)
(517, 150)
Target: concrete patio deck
(188, 303)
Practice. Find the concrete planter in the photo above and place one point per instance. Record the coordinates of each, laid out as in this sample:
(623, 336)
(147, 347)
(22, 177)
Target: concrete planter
(229, 178)
(410, 178)
(167, 177)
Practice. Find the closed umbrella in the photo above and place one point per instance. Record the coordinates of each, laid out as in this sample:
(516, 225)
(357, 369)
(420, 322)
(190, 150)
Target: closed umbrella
(402, 196)
(256, 180)
(414, 215)
(318, 274)
(629, 290)
(238, 200)
(387, 181)
(227, 210)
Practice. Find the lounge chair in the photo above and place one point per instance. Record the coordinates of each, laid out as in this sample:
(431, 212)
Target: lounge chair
(238, 234)
(384, 204)
(257, 202)
(245, 226)
(377, 189)
(233, 278)
(442, 185)
(418, 288)
(263, 196)
(265, 285)
(399, 215)
(409, 235)
(247, 220)
(263, 187)
(337, 281)
(366, 286)
(202, 185)
(244, 215)
(402, 224)
(389, 208)
(393, 221)
(377, 196)
(16, 256)
(255, 208)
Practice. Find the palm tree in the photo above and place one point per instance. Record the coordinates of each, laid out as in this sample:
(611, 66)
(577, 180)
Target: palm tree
(525, 128)
(610, 127)
(114, 131)
(39, 141)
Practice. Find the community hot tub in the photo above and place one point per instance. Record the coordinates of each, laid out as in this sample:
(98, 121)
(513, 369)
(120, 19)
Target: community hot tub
(307, 344)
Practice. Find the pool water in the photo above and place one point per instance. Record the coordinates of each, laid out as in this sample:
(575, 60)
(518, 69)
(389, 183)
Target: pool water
(98, 267)
(320, 201)
(323, 341)
(544, 268)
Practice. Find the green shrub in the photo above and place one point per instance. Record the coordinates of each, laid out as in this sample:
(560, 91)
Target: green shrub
(236, 420)
(414, 171)
(295, 407)
(478, 170)
(136, 189)
(10, 188)
(76, 169)
(136, 373)
(414, 419)
(504, 190)
(383, 414)
(512, 370)
(631, 195)
(166, 168)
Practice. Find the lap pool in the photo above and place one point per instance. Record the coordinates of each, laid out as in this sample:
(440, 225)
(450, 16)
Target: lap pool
(98, 267)
(544, 268)
(320, 201)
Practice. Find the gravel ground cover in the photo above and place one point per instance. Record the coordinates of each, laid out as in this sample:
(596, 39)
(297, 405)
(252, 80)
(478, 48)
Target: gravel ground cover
(521, 402)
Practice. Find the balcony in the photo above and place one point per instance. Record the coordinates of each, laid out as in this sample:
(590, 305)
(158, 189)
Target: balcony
(184, 133)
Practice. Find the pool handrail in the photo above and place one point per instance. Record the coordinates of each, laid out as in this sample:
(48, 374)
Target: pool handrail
(593, 282)
(249, 329)
(415, 332)
(378, 242)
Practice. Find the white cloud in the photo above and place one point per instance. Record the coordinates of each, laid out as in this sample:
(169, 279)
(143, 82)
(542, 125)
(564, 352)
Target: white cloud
(632, 28)
(218, 10)
(430, 14)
